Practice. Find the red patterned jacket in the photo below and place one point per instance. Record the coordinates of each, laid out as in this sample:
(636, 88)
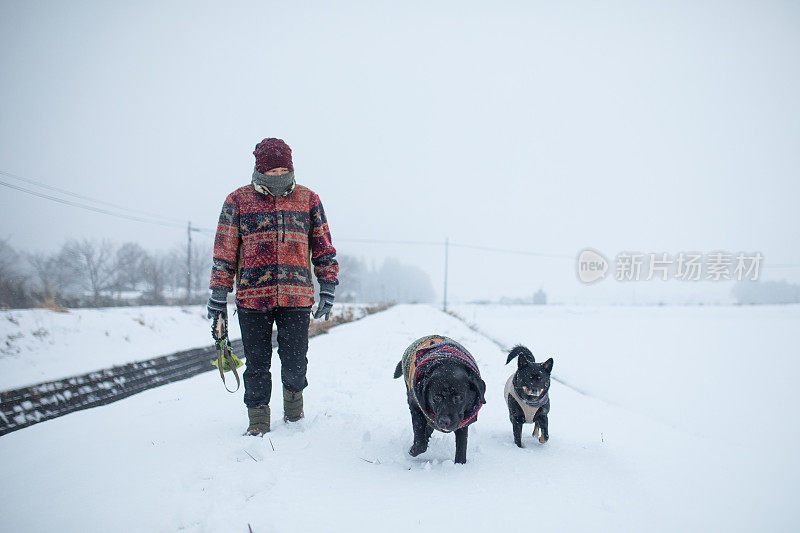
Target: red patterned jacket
(268, 243)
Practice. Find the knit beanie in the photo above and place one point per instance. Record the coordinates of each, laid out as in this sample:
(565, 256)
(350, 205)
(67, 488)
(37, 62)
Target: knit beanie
(273, 153)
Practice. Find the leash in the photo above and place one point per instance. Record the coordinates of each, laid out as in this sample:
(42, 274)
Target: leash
(226, 360)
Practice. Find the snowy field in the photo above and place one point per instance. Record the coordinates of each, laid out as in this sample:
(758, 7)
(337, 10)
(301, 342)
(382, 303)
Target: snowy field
(727, 373)
(39, 345)
(674, 419)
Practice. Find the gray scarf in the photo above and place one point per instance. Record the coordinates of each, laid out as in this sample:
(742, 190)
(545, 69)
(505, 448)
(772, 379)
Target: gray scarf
(274, 185)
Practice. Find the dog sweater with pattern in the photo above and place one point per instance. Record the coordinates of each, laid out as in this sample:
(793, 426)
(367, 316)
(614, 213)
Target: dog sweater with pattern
(529, 409)
(426, 350)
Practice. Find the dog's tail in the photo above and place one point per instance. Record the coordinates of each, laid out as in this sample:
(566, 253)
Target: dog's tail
(398, 371)
(522, 352)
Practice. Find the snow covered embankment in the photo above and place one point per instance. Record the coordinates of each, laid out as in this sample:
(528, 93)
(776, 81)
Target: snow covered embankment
(38, 345)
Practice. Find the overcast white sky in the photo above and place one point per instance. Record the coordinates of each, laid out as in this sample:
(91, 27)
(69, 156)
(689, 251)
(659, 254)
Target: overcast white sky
(544, 127)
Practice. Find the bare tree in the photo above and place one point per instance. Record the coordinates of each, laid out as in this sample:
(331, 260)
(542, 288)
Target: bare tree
(93, 264)
(13, 290)
(397, 282)
(52, 276)
(46, 271)
(201, 267)
(66, 280)
(129, 265)
(9, 259)
(173, 266)
(157, 270)
(352, 271)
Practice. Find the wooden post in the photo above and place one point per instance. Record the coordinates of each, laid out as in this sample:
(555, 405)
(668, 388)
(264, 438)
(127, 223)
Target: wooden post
(189, 263)
(446, 245)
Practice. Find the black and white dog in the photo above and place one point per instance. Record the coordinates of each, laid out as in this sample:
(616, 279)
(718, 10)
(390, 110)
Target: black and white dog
(527, 394)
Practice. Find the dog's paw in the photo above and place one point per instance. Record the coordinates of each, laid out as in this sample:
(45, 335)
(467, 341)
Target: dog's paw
(543, 439)
(416, 449)
(519, 444)
(535, 430)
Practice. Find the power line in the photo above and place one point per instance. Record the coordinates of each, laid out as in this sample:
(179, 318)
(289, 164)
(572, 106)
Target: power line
(468, 246)
(378, 241)
(169, 222)
(89, 207)
(507, 251)
(501, 250)
(88, 198)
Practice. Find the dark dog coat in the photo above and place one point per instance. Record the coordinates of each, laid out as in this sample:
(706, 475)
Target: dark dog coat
(529, 408)
(426, 350)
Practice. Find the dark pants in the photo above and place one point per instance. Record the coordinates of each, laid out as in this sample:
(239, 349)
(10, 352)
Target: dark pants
(256, 329)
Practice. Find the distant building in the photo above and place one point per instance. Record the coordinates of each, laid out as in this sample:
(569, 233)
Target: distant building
(539, 298)
(766, 292)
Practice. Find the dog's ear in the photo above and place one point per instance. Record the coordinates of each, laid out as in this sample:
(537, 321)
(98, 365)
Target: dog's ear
(479, 385)
(548, 365)
(398, 370)
(422, 387)
(422, 392)
(525, 355)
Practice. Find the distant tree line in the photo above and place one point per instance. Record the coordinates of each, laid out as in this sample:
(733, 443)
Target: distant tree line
(766, 292)
(392, 281)
(99, 273)
(94, 273)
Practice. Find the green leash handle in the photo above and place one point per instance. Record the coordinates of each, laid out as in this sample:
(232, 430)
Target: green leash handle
(226, 360)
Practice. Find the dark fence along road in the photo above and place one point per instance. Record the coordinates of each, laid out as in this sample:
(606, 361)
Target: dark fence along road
(23, 407)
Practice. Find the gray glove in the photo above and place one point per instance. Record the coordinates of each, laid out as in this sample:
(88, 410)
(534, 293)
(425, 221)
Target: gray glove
(325, 300)
(218, 303)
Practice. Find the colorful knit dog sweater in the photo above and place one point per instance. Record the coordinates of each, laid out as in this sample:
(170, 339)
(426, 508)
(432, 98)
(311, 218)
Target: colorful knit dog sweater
(426, 350)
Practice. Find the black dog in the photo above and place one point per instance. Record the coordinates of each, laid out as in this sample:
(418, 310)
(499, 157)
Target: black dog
(527, 394)
(444, 390)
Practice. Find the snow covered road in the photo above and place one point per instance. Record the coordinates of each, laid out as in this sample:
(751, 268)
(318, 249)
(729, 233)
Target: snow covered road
(173, 458)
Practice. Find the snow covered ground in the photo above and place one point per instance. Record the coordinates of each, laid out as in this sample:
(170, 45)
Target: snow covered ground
(716, 372)
(173, 459)
(39, 345)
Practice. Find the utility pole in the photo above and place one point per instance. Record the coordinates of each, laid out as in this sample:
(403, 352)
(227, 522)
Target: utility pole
(446, 245)
(189, 230)
(189, 263)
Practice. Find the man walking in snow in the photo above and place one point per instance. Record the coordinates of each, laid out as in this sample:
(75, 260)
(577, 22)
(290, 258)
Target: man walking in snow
(270, 233)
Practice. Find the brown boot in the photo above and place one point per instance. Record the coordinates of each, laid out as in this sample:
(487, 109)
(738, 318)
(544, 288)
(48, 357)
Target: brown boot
(292, 405)
(259, 421)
